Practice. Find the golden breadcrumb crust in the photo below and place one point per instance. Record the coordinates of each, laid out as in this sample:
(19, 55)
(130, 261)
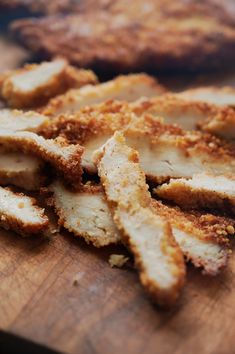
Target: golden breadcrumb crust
(206, 229)
(9, 221)
(105, 231)
(197, 197)
(135, 202)
(68, 77)
(65, 158)
(123, 87)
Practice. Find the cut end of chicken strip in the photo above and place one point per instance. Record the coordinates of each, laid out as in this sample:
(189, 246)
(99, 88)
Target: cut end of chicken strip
(148, 236)
(204, 190)
(85, 213)
(127, 88)
(189, 115)
(34, 84)
(165, 151)
(21, 170)
(18, 120)
(202, 237)
(66, 159)
(221, 124)
(220, 96)
(20, 214)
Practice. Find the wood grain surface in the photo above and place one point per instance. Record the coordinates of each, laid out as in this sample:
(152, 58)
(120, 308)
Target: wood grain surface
(63, 294)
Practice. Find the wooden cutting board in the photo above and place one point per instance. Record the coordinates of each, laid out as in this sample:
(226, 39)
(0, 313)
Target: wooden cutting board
(63, 294)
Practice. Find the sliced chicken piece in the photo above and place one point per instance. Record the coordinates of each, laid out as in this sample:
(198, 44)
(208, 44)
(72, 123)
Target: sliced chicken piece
(33, 85)
(63, 157)
(221, 124)
(166, 151)
(19, 213)
(21, 170)
(128, 88)
(220, 96)
(201, 237)
(148, 236)
(18, 120)
(85, 213)
(202, 191)
(189, 115)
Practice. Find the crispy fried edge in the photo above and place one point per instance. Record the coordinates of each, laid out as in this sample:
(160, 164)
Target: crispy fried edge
(95, 241)
(169, 245)
(9, 222)
(204, 227)
(191, 197)
(69, 77)
(122, 81)
(70, 168)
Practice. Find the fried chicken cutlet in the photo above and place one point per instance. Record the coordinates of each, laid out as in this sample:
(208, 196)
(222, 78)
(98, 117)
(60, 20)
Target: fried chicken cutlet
(139, 36)
(203, 190)
(220, 96)
(165, 151)
(34, 84)
(18, 120)
(147, 235)
(128, 88)
(63, 157)
(20, 213)
(44, 7)
(86, 214)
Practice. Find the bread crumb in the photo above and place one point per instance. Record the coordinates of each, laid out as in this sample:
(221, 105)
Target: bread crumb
(117, 260)
(75, 282)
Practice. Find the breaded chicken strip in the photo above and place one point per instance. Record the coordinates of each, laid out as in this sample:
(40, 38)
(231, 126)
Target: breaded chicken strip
(203, 190)
(165, 151)
(189, 115)
(18, 120)
(85, 213)
(34, 84)
(63, 157)
(21, 170)
(221, 124)
(148, 236)
(201, 237)
(128, 88)
(220, 96)
(20, 214)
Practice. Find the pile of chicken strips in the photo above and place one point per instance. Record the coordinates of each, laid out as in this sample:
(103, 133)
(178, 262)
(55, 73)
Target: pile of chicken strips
(124, 161)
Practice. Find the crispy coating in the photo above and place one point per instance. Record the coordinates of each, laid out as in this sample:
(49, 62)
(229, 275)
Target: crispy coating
(220, 96)
(204, 190)
(187, 114)
(202, 237)
(21, 170)
(20, 213)
(148, 236)
(85, 213)
(125, 37)
(34, 84)
(63, 157)
(19, 120)
(128, 88)
(166, 151)
(221, 124)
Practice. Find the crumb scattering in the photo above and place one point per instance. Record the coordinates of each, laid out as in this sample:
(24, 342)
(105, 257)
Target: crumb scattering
(117, 260)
